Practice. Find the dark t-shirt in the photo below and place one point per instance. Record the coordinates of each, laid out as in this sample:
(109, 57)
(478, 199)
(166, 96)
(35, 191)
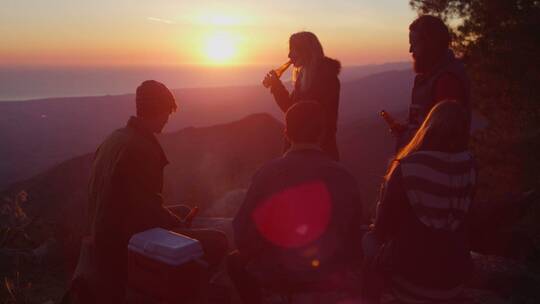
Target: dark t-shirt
(301, 217)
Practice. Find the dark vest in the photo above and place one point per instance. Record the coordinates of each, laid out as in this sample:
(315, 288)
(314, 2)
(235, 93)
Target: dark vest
(423, 93)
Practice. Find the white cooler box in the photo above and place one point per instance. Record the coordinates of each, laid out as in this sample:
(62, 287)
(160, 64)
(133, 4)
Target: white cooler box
(165, 265)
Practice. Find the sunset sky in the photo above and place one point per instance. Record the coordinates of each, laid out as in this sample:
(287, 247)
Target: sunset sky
(175, 32)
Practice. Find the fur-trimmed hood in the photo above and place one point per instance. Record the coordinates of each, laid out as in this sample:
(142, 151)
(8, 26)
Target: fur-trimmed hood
(330, 66)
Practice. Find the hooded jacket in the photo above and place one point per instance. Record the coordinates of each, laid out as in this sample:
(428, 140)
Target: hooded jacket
(324, 89)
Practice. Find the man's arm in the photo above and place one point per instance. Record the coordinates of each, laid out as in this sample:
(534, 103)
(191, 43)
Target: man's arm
(137, 179)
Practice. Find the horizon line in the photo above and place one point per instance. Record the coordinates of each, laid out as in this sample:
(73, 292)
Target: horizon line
(175, 65)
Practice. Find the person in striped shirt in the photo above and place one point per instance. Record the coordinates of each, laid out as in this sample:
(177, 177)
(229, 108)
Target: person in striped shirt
(418, 248)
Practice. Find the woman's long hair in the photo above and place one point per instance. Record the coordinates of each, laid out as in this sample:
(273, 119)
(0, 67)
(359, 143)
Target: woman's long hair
(445, 129)
(311, 47)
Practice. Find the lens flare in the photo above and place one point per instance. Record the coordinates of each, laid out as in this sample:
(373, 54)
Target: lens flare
(296, 216)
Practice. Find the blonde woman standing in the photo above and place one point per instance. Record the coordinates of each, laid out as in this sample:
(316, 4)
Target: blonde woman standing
(315, 78)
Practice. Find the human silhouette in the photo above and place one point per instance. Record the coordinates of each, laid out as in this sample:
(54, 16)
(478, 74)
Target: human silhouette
(300, 223)
(439, 74)
(419, 246)
(125, 197)
(315, 77)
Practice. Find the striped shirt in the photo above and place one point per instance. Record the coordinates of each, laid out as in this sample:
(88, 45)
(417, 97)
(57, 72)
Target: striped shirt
(439, 187)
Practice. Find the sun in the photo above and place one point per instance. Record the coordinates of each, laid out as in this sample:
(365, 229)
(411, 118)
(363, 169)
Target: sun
(221, 48)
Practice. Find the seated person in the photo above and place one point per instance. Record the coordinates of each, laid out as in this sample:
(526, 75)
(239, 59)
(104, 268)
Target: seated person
(125, 193)
(300, 222)
(419, 247)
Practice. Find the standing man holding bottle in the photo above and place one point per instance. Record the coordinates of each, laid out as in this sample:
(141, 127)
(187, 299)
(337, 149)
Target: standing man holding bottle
(439, 75)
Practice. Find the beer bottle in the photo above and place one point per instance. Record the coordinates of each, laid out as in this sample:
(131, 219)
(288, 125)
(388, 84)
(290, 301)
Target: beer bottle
(279, 72)
(395, 127)
(189, 218)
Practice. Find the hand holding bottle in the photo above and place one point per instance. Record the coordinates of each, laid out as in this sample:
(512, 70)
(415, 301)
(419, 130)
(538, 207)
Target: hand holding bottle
(395, 127)
(272, 78)
(189, 218)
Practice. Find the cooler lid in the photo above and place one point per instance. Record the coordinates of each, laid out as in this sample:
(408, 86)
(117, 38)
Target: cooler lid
(166, 246)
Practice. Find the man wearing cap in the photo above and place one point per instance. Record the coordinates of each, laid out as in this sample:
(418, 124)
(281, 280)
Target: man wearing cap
(125, 192)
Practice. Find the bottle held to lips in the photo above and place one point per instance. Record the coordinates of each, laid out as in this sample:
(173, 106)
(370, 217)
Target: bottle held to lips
(279, 72)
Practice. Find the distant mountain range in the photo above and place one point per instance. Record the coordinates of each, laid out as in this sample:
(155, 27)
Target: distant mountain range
(206, 165)
(39, 134)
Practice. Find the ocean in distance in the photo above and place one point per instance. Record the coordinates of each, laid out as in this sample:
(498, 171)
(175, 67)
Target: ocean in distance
(26, 82)
(23, 83)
